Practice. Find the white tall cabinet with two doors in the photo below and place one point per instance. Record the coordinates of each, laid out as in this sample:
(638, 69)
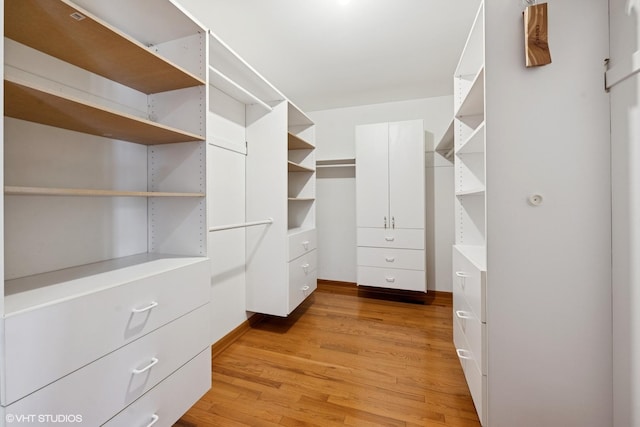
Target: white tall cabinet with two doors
(390, 205)
(105, 300)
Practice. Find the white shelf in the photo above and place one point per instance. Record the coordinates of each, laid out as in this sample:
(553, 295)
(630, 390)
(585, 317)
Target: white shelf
(446, 142)
(297, 230)
(471, 192)
(336, 163)
(473, 100)
(475, 142)
(234, 90)
(301, 199)
(86, 192)
(32, 292)
(476, 254)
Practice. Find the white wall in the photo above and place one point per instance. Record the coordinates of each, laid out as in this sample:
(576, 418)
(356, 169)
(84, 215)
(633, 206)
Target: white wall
(335, 139)
(625, 152)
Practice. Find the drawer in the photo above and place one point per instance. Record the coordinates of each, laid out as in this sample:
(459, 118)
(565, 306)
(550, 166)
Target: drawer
(86, 328)
(471, 282)
(391, 238)
(476, 382)
(302, 267)
(412, 259)
(475, 332)
(302, 242)
(299, 290)
(163, 403)
(411, 280)
(103, 388)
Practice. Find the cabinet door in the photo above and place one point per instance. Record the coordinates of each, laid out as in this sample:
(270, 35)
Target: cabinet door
(406, 174)
(372, 175)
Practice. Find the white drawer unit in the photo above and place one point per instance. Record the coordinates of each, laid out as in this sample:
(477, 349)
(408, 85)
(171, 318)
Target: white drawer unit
(391, 238)
(301, 243)
(137, 300)
(162, 405)
(475, 332)
(470, 280)
(303, 278)
(132, 370)
(411, 259)
(393, 278)
(476, 381)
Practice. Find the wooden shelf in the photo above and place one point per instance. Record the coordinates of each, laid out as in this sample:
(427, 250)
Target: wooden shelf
(475, 142)
(297, 143)
(301, 199)
(85, 192)
(473, 101)
(54, 109)
(294, 167)
(89, 43)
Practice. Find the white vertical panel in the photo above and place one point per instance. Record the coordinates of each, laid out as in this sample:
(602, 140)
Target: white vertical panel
(183, 109)
(548, 267)
(226, 195)
(372, 175)
(625, 160)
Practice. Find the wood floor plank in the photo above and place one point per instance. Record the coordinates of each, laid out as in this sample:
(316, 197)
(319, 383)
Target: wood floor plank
(346, 357)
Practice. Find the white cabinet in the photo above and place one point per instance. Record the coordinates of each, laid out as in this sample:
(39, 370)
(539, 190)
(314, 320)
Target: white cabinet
(390, 205)
(105, 267)
(528, 360)
(280, 184)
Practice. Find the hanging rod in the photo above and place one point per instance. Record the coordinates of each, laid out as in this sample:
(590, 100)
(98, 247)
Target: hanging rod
(241, 225)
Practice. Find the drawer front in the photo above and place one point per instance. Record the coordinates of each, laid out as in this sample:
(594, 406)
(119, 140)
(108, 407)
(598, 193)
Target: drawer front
(391, 238)
(411, 280)
(301, 243)
(302, 267)
(88, 327)
(411, 259)
(469, 281)
(476, 382)
(163, 402)
(101, 389)
(475, 332)
(301, 289)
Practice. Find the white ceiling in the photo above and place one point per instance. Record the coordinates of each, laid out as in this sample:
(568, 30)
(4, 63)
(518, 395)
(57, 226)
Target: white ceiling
(322, 54)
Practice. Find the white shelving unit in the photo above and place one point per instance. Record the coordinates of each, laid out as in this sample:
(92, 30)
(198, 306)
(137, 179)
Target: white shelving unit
(469, 252)
(105, 207)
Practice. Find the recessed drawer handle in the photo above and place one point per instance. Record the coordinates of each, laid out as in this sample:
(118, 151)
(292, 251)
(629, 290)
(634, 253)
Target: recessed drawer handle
(305, 244)
(146, 368)
(390, 279)
(463, 314)
(390, 259)
(154, 419)
(463, 354)
(389, 239)
(461, 274)
(147, 308)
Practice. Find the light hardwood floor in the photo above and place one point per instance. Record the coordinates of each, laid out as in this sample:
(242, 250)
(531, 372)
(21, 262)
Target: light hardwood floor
(346, 357)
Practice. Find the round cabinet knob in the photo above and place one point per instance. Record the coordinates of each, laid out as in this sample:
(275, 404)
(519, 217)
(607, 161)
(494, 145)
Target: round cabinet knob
(535, 200)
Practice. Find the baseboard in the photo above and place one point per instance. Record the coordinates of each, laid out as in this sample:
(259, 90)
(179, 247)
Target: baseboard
(351, 288)
(224, 342)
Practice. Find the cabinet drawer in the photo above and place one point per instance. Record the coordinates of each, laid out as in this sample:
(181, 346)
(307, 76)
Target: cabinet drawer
(412, 259)
(391, 238)
(470, 281)
(411, 280)
(106, 386)
(475, 332)
(476, 382)
(299, 290)
(163, 401)
(301, 243)
(302, 266)
(88, 327)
